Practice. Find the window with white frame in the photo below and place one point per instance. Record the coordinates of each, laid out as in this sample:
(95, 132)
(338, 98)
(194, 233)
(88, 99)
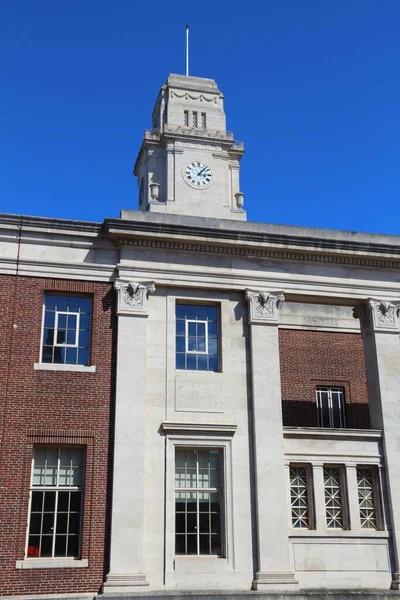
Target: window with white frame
(198, 501)
(334, 498)
(367, 487)
(56, 500)
(197, 337)
(300, 496)
(66, 329)
(331, 407)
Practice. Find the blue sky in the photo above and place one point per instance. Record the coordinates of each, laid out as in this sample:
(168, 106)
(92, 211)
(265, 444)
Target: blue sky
(311, 86)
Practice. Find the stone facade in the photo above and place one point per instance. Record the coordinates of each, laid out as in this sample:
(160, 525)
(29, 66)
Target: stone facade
(243, 371)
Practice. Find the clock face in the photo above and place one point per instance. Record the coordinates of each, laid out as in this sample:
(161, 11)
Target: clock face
(198, 174)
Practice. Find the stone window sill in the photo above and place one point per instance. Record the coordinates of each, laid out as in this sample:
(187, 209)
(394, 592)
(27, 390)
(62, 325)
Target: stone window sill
(50, 563)
(58, 367)
(344, 533)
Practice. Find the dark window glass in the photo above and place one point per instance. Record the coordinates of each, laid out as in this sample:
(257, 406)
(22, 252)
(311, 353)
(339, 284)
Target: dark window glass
(66, 333)
(197, 340)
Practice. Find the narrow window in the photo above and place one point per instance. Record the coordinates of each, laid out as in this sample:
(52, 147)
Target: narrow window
(56, 502)
(203, 120)
(66, 329)
(197, 337)
(300, 497)
(367, 486)
(194, 119)
(198, 501)
(334, 506)
(331, 407)
(186, 118)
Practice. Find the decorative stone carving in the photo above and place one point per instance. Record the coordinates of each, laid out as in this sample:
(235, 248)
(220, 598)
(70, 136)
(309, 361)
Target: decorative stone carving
(264, 306)
(378, 315)
(133, 297)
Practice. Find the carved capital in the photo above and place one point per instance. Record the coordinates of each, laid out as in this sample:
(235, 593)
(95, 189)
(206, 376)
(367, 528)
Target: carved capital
(264, 306)
(133, 297)
(378, 315)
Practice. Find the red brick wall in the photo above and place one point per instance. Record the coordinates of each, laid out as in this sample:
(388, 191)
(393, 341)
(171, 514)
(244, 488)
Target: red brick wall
(52, 407)
(312, 358)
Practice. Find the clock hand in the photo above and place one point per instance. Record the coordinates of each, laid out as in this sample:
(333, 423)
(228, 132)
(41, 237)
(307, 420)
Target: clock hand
(200, 172)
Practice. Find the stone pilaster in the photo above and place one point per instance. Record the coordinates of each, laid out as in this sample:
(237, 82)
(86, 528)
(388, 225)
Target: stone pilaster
(126, 556)
(380, 327)
(274, 564)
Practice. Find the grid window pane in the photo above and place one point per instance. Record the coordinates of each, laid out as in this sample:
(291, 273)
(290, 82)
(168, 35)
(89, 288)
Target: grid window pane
(197, 343)
(55, 512)
(66, 329)
(198, 525)
(299, 497)
(366, 486)
(333, 498)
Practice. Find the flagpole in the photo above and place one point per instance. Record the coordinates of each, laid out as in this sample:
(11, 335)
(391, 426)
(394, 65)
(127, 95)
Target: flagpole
(187, 50)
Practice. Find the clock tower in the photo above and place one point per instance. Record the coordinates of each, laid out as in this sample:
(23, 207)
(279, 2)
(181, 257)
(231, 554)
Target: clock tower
(188, 163)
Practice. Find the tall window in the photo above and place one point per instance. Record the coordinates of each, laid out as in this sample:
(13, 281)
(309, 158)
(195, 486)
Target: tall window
(186, 118)
(56, 502)
(330, 405)
(334, 502)
(196, 337)
(198, 501)
(66, 329)
(194, 119)
(300, 497)
(203, 120)
(367, 486)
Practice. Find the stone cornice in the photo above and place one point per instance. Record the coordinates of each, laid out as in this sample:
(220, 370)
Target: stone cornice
(282, 244)
(47, 224)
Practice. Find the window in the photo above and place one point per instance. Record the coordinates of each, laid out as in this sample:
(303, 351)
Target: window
(198, 501)
(330, 406)
(203, 121)
(66, 329)
(300, 497)
(186, 118)
(367, 486)
(194, 119)
(56, 502)
(196, 337)
(333, 488)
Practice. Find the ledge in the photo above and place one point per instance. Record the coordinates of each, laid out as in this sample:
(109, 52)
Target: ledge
(359, 534)
(191, 428)
(62, 367)
(325, 433)
(51, 563)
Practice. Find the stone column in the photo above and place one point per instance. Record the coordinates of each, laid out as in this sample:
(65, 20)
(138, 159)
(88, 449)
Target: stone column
(126, 557)
(274, 564)
(380, 328)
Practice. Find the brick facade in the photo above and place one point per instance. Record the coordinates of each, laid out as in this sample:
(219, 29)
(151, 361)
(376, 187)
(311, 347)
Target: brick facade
(316, 358)
(53, 407)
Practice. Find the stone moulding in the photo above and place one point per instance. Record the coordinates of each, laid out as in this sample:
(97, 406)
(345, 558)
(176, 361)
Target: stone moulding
(198, 428)
(257, 252)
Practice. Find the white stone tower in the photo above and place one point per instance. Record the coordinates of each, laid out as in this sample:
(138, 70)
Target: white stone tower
(188, 163)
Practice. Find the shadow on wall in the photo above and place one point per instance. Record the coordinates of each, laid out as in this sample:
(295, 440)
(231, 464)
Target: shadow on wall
(303, 413)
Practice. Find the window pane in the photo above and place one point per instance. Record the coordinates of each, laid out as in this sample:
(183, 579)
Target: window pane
(202, 362)
(192, 328)
(180, 544)
(180, 361)
(191, 362)
(46, 546)
(191, 544)
(61, 545)
(37, 501)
